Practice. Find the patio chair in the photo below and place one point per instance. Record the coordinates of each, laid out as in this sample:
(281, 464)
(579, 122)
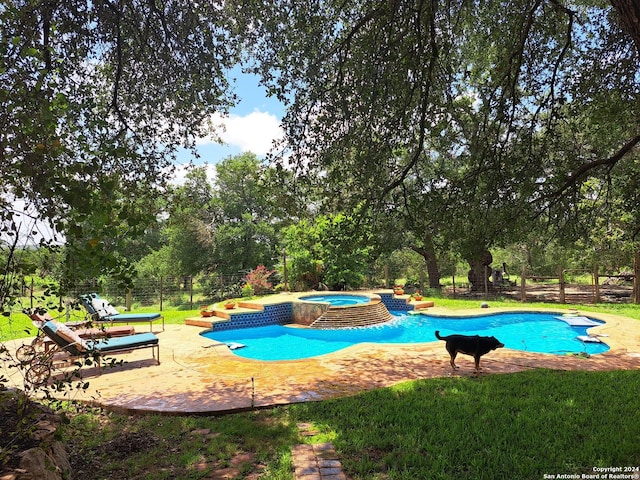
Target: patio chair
(69, 341)
(83, 329)
(101, 311)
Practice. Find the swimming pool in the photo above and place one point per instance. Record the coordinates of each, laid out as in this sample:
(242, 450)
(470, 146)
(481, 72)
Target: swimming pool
(338, 300)
(533, 332)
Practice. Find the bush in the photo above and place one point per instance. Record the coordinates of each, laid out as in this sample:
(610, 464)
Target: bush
(247, 290)
(258, 278)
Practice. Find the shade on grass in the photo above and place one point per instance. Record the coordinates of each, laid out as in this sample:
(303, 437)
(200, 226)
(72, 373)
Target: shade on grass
(516, 426)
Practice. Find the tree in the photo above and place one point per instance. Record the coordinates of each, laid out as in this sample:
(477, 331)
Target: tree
(96, 98)
(245, 223)
(332, 249)
(467, 99)
(188, 229)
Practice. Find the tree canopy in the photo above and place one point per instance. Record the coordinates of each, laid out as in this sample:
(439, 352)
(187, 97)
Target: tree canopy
(96, 98)
(478, 113)
(471, 123)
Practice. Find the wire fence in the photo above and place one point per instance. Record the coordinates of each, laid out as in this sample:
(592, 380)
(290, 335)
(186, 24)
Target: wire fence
(190, 292)
(187, 292)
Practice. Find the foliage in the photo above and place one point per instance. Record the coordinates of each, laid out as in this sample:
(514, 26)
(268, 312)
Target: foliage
(333, 249)
(408, 265)
(519, 419)
(186, 232)
(258, 280)
(304, 266)
(227, 225)
(96, 100)
(217, 287)
(392, 432)
(487, 119)
(247, 290)
(245, 224)
(254, 443)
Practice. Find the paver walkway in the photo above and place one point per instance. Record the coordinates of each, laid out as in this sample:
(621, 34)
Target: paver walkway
(315, 461)
(198, 376)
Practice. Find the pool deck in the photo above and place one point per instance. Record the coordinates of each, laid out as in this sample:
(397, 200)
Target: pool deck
(196, 376)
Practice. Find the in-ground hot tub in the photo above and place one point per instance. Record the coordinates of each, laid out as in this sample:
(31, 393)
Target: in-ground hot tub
(340, 310)
(338, 300)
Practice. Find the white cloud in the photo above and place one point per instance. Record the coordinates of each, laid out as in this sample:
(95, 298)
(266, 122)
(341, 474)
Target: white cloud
(254, 132)
(180, 173)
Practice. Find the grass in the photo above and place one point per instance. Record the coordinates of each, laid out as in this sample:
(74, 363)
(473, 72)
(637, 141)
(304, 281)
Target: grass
(19, 325)
(515, 426)
(108, 445)
(503, 426)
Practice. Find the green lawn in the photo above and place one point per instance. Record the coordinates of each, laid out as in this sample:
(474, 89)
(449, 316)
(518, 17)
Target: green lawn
(515, 426)
(19, 325)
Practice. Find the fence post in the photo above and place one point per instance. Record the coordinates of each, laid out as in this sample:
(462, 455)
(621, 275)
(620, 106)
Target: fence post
(561, 282)
(523, 285)
(128, 300)
(596, 284)
(636, 277)
(191, 292)
(160, 293)
(31, 294)
(453, 280)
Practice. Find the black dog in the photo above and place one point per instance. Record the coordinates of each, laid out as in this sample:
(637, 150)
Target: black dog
(475, 345)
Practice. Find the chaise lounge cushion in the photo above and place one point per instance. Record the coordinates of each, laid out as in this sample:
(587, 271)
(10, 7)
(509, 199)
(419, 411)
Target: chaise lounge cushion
(67, 342)
(122, 343)
(101, 310)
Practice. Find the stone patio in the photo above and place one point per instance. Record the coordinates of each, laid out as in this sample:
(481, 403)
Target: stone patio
(196, 376)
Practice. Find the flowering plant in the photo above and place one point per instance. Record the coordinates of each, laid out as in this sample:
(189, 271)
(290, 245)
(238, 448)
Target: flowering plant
(258, 279)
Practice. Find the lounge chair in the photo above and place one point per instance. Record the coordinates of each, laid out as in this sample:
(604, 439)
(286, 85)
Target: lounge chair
(101, 311)
(83, 330)
(69, 341)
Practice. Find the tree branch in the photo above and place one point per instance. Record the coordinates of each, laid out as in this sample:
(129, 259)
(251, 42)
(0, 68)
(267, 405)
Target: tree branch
(424, 105)
(587, 167)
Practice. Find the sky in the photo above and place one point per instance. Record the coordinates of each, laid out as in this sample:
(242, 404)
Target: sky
(251, 126)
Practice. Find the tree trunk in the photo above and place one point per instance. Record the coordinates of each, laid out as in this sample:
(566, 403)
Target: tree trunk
(429, 255)
(636, 277)
(479, 273)
(432, 270)
(629, 11)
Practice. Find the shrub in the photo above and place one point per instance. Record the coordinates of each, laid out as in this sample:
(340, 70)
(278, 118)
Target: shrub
(258, 278)
(247, 290)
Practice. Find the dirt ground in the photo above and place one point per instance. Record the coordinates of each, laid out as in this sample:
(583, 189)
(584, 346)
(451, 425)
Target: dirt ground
(584, 294)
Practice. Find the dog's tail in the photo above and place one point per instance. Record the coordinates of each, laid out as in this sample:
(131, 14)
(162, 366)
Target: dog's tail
(438, 335)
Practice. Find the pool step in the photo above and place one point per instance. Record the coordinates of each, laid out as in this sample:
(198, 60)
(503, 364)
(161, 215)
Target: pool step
(353, 316)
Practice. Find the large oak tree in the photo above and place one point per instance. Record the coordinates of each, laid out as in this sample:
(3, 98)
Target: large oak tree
(490, 115)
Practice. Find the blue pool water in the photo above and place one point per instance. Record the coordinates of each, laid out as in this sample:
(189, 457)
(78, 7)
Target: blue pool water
(338, 300)
(533, 332)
